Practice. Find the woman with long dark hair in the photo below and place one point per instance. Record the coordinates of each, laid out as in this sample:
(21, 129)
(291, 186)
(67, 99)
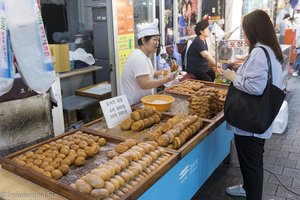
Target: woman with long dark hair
(251, 77)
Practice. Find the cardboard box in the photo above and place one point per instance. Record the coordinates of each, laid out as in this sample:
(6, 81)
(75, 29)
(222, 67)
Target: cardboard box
(61, 58)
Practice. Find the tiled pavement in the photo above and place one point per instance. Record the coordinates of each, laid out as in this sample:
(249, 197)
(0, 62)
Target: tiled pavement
(282, 156)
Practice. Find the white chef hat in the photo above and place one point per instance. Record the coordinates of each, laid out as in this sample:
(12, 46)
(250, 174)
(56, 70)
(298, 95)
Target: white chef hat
(147, 29)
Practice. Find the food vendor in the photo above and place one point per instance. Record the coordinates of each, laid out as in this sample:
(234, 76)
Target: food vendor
(198, 56)
(139, 77)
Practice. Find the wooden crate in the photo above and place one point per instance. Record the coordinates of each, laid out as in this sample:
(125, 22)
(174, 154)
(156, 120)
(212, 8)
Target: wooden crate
(206, 85)
(94, 91)
(66, 190)
(98, 126)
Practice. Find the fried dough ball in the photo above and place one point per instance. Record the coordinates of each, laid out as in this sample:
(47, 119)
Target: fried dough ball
(83, 186)
(20, 162)
(126, 124)
(46, 173)
(138, 125)
(102, 141)
(120, 163)
(35, 156)
(135, 115)
(100, 193)
(48, 159)
(44, 164)
(129, 143)
(54, 164)
(121, 148)
(108, 185)
(28, 164)
(66, 161)
(81, 154)
(61, 156)
(28, 154)
(101, 173)
(95, 138)
(22, 157)
(115, 182)
(58, 146)
(49, 168)
(90, 141)
(64, 168)
(37, 162)
(39, 170)
(139, 149)
(94, 180)
(64, 151)
(79, 161)
(89, 151)
(120, 179)
(125, 176)
(156, 119)
(83, 144)
(58, 160)
(77, 141)
(56, 174)
(111, 154)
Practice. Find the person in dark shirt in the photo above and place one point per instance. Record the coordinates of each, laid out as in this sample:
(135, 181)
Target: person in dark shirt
(198, 56)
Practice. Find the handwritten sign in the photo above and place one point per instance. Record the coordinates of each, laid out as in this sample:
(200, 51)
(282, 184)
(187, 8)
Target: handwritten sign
(115, 110)
(236, 43)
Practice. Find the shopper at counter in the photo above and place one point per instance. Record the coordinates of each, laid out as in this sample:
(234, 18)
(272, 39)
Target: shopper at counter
(198, 56)
(139, 77)
(251, 77)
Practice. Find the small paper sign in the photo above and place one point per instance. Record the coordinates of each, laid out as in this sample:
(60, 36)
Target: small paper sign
(115, 110)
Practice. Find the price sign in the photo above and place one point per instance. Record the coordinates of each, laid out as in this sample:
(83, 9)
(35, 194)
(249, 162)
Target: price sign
(115, 110)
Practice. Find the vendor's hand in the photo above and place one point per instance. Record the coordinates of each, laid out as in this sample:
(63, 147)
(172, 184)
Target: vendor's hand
(171, 76)
(229, 74)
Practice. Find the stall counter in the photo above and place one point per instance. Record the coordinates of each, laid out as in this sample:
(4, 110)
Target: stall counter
(190, 173)
(180, 182)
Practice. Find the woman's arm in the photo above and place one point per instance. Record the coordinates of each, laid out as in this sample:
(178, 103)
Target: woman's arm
(207, 56)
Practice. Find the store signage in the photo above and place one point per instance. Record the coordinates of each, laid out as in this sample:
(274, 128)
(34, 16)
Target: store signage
(115, 110)
(125, 22)
(237, 43)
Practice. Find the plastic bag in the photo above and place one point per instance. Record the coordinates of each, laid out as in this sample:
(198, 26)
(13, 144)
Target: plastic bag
(6, 68)
(161, 59)
(82, 55)
(281, 120)
(29, 44)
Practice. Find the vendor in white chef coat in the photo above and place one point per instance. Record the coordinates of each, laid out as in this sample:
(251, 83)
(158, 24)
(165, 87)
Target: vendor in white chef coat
(139, 77)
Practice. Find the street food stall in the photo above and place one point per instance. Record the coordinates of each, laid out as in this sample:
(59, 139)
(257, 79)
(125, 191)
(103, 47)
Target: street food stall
(173, 151)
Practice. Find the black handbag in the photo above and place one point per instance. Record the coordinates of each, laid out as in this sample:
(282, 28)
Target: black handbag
(250, 112)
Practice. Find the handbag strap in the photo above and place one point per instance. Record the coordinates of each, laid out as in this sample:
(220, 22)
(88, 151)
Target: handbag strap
(269, 64)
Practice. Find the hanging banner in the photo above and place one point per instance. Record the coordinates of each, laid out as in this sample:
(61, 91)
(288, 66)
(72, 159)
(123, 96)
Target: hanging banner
(125, 23)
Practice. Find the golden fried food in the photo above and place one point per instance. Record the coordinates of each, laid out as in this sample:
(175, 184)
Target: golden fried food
(126, 124)
(80, 161)
(138, 125)
(135, 115)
